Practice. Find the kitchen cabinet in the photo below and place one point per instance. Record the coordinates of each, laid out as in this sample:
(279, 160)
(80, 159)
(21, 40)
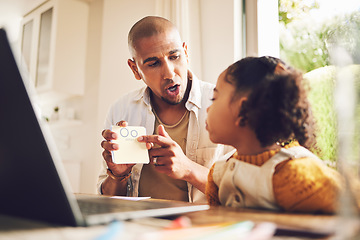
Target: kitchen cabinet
(53, 47)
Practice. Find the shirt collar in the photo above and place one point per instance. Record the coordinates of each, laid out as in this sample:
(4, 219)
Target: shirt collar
(143, 93)
(195, 91)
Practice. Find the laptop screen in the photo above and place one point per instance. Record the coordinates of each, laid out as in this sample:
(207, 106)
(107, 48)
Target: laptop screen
(30, 184)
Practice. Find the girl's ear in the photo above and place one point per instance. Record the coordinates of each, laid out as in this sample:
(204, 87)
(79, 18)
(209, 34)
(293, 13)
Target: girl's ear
(240, 104)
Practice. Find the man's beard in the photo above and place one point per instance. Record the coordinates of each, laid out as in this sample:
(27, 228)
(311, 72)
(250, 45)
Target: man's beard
(172, 102)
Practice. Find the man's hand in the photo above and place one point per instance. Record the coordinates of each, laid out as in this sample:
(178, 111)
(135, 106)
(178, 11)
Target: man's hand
(170, 160)
(108, 146)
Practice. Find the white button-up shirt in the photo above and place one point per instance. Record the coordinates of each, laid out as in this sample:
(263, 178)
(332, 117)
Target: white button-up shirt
(135, 108)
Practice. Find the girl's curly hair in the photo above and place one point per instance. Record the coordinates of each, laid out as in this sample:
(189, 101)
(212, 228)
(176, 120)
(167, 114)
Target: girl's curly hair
(277, 108)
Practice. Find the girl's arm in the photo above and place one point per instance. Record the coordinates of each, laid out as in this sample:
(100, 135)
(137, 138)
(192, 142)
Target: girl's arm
(304, 185)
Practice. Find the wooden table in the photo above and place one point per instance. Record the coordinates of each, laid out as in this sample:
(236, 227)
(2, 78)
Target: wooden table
(301, 225)
(290, 226)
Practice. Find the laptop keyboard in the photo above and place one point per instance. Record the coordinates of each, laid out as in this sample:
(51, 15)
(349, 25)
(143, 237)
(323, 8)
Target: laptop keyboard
(102, 209)
(107, 205)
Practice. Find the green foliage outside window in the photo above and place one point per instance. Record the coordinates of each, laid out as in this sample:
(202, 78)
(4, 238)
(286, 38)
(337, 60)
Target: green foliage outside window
(306, 44)
(323, 82)
(291, 10)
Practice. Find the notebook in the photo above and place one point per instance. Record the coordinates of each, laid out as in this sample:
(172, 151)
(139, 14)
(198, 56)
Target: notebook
(33, 183)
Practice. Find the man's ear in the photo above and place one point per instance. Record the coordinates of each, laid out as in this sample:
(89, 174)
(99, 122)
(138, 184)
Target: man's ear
(134, 69)
(186, 51)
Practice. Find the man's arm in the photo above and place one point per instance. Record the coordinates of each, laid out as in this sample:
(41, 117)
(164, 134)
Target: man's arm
(114, 187)
(170, 160)
(197, 175)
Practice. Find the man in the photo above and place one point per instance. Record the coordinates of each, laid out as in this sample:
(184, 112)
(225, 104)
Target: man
(172, 106)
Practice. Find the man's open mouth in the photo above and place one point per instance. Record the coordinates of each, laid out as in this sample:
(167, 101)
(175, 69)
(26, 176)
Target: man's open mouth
(173, 88)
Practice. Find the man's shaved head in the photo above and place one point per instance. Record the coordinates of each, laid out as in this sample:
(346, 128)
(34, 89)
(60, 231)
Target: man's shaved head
(147, 27)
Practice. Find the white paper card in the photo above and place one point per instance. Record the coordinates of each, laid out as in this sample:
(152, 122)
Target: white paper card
(130, 150)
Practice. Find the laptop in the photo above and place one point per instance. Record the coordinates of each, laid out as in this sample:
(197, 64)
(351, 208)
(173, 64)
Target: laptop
(33, 182)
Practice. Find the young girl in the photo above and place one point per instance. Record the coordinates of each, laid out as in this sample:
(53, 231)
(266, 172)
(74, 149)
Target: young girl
(260, 108)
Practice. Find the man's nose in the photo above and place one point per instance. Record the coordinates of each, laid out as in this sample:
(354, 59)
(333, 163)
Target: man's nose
(168, 70)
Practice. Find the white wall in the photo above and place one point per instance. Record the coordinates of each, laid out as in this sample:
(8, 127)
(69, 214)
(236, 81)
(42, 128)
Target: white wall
(218, 37)
(11, 13)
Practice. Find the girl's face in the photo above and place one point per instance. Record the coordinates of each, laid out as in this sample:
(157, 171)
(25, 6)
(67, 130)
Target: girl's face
(222, 120)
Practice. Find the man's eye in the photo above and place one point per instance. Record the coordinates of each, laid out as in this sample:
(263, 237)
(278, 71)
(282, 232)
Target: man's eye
(174, 57)
(154, 64)
(212, 99)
